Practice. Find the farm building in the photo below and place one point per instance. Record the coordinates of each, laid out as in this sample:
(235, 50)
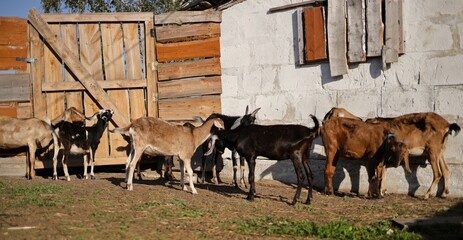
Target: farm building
(290, 58)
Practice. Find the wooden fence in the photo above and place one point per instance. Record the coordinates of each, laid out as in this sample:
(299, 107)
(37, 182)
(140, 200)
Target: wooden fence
(137, 64)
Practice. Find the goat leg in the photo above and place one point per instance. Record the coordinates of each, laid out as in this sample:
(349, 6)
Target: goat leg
(308, 172)
(189, 170)
(242, 169)
(64, 160)
(92, 162)
(252, 187)
(297, 162)
(85, 166)
(437, 174)
(445, 172)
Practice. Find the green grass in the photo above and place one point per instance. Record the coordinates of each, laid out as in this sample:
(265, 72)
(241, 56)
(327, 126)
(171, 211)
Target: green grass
(36, 195)
(274, 226)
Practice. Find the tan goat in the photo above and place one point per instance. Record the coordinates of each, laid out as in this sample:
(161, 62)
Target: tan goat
(32, 133)
(425, 134)
(156, 137)
(339, 112)
(355, 139)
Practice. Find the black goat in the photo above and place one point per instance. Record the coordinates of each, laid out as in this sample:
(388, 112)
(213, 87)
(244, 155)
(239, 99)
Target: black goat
(230, 122)
(78, 139)
(278, 142)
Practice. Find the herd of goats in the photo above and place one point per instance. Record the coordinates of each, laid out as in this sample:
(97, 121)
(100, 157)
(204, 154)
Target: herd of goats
(380, 141)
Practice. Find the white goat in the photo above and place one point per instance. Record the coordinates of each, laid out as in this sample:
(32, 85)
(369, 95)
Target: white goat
(156, 137)
(32, 133)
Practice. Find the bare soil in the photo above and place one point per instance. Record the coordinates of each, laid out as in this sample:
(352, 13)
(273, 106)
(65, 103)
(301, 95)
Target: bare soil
(156, 209)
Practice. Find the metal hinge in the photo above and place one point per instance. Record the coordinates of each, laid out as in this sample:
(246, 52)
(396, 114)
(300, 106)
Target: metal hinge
(29, 60)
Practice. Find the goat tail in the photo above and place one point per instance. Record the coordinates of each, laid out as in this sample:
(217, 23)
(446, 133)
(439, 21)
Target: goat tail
(455, 128)
(316, 128)
(124, 131)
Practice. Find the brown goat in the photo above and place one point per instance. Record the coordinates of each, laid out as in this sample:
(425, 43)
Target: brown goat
(355, 139)
(339, 112)
(425, 134)
(156, 137)
(32, 133)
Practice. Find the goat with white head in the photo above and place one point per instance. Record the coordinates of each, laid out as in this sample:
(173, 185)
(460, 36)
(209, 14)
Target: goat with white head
(79, 139)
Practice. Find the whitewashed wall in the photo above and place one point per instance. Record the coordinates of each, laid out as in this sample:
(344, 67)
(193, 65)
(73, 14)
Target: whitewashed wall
(259, 70)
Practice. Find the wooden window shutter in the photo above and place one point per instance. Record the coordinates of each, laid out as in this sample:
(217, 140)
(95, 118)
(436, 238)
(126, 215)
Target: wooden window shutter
(314, 34)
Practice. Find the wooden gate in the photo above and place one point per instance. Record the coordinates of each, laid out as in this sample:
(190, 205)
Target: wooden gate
(168, 68)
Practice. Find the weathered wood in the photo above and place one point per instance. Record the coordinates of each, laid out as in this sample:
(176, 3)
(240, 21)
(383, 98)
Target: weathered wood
(401, 27)
(91, 59)
(188, 50)
(97, 17)
(134, 69)
(113, 58)
(107, 85)
(9, 109)
(83, 75)
(356, 30)
(181, 17)
(300, 37)
(151, 71)
(187, 32)
(186, 108)
(293, 5)
(69, 38)
(13, 166)
(37, 74)
(53, 73)
(337, 37)
(15, 87)
(204, 67)
(13, 44)
(315, 41)
(392, 32)
(375, 28)
(190, 87)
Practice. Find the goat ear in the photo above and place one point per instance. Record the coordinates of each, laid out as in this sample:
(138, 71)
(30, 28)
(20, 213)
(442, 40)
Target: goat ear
(255, 112)
(218, 124)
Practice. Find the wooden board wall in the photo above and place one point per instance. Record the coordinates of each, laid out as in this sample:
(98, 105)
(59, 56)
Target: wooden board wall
(13, 43)
(188, 53)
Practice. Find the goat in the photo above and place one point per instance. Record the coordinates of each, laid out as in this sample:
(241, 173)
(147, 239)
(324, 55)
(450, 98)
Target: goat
(339, 112)
(78, 139)
(425, 134)
(230, 122)
(278, 142)
(355, 139)
(32, 133)
(70, 115)
(156, 137)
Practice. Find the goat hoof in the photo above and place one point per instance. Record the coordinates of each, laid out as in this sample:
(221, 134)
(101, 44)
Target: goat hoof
(129, 187)
(85, 177)
(194, 192)
(68, 178)
(93, 177)
(54, 177)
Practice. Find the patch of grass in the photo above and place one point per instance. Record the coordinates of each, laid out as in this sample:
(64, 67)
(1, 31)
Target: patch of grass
(146, 206)
(36, 195)
(272, 226)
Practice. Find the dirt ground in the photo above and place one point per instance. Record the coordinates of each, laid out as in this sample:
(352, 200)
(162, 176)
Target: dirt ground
(155, 209)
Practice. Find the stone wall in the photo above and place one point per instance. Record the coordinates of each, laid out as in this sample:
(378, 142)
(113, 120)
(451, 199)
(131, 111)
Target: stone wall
(258, 69)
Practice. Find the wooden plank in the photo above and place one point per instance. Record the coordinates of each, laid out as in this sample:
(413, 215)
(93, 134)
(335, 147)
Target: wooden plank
(39, 104)
(190, 87)
(151, 71)
(300, 38)
(392, 32)
(375, 28)
(82, 74)
(134, 70)
(15, 87)
(186, 108)
(337, 37)
(91, 57)
(293, 5)
(97, 17)
(113, 58)
(187, 32)
(401, 27)
(77, 86)
(69, 37)
(181, 17)
(8, 55)
(315, 41)
(14, 31)
(188, 50)
(9, 109)
(356, 31)
(203, 67)
(53, 73)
